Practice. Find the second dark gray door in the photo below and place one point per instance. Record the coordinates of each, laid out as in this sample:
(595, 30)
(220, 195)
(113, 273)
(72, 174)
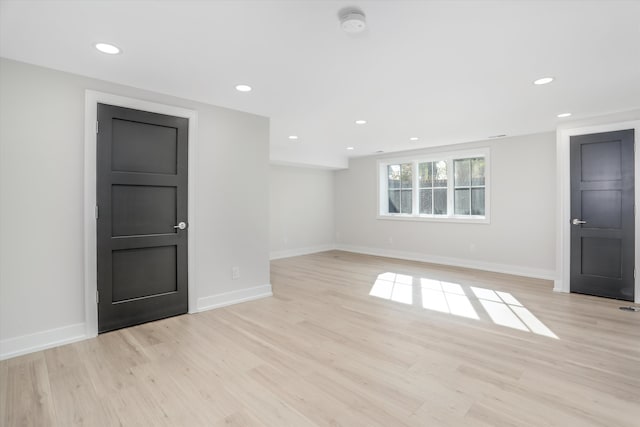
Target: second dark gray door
(142, 199)
(602, 214)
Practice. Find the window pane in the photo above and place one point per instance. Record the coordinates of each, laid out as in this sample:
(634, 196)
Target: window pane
(440, 178)
(406, 201)
(477, 201)
(462, 172)
(394, 201)
(407, 175)
(440, 201)
(461, 201)
(465, 196)
(477, 171)
(426, 201)
(394, 176)
(426, 174)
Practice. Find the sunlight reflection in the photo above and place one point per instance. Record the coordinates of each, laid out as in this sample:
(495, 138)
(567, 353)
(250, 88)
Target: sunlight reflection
(396, 287)
(452, 288)
(486, 294)
(402, 293)
(382, 289)
(504, 309)
(461, 306)
(533, 323)
(446, 297)
(508, 298)
(502, 315)
(434, 300)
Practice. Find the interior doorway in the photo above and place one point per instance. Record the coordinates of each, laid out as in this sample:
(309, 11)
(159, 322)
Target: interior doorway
(602, 214)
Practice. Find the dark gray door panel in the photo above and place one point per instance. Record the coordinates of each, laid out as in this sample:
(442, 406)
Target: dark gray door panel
(602, 213)
(141, 194)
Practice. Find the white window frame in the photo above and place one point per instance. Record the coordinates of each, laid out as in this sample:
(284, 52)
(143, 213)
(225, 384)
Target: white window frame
(449, 157)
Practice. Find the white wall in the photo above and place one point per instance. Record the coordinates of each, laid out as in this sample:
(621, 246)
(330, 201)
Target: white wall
(301, 213)
(520, 238)
(41, 203)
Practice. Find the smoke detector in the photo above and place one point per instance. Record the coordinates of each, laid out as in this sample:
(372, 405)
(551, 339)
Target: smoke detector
(353, 21)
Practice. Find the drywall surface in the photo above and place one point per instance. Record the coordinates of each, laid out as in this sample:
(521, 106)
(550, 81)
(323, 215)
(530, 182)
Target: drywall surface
(301, 213)
(520, 238)
(41, 200)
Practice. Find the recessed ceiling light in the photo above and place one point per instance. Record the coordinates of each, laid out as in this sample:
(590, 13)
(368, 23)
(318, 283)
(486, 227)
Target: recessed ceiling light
(502, 135)
(243, 88)
(107, 48)
(293, 137)
(351, 148)
(543, 81)
(561, 115)
(361, 122)
(414, 138)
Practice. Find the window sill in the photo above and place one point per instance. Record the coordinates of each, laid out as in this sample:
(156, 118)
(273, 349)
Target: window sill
(444, 219)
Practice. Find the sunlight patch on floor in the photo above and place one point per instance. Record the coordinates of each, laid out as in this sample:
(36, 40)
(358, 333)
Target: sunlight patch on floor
(447, 297)
(394, 287)
(504, 309)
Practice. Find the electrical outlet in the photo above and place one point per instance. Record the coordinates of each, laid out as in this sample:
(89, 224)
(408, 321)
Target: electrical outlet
(235, 273)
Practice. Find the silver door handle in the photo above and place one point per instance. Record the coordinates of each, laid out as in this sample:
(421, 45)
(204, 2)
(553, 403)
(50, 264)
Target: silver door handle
(181, 225)
(577, 221)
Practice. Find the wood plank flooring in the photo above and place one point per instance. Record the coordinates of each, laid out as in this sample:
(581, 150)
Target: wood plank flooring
(347, 341)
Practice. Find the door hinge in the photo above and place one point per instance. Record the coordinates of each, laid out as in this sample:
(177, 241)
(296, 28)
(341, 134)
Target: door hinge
(97, 126)
(97, 297)
(96, 212)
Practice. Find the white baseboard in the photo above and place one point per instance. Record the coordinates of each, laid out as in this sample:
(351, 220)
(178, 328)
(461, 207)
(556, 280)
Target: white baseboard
(24, 344)
(515, 270)
(558, 286)
(300, 251)
(234, 297)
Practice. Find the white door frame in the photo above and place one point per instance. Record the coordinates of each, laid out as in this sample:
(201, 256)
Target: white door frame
(563, 235)
(92, 98)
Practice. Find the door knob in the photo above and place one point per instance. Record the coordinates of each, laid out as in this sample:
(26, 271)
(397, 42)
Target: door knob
(577, 221)
(181, 225)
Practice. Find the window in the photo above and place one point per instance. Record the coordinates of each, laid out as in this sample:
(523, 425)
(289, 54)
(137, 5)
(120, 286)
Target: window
(400, 188)
(469, 186)
(445, 186)
(433, 187)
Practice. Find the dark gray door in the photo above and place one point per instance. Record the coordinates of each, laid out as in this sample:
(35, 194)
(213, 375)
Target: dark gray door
(602, 214)
(142, 197)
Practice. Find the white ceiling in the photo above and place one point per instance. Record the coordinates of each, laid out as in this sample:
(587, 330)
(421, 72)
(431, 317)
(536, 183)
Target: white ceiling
(445, 71)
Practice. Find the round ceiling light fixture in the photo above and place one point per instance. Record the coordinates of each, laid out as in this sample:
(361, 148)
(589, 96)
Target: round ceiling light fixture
(563, 115)
(243, 88)
(353, 21)
(107, 48)
(361, 122)
(543, 81)
(293, 137)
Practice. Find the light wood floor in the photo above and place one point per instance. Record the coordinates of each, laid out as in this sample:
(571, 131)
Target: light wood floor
(324, 352)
